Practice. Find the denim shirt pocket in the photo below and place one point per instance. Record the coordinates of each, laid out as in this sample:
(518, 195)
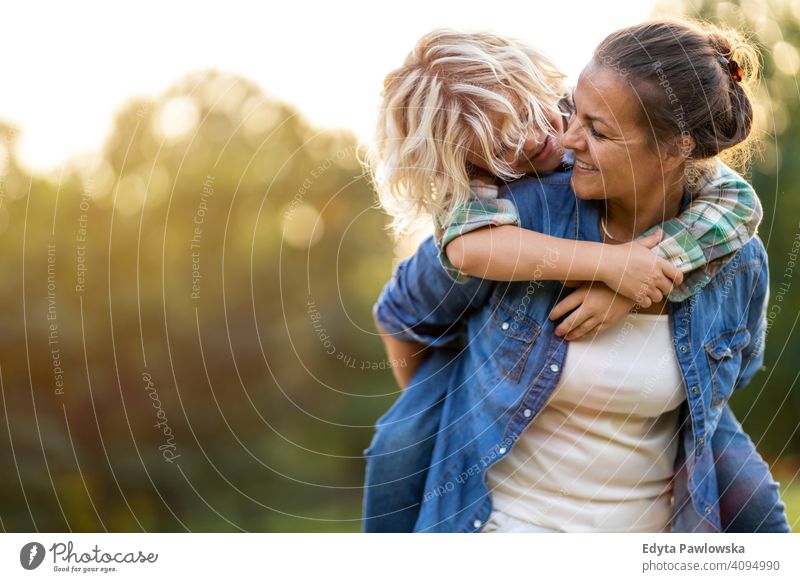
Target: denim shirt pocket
(724, 355)
(513, 334)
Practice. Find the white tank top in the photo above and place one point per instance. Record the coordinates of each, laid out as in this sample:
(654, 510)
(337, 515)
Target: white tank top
(600, 454)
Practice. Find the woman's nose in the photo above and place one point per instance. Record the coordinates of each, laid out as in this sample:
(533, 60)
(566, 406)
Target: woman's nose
(574, 137)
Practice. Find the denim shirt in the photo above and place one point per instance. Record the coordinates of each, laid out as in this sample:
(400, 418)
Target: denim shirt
(504, 360)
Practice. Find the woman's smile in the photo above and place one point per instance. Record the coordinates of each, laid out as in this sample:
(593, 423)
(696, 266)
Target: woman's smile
(582, 167)
(611, 144)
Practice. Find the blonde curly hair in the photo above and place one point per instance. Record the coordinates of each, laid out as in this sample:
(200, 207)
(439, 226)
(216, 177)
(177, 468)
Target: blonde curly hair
(457, 94)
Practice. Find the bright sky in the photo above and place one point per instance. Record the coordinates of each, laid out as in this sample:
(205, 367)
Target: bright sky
(67, 66)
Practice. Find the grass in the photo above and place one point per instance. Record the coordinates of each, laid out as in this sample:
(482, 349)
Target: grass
(791, 498)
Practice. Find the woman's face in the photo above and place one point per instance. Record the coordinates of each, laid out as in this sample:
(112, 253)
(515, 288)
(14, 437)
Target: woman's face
(613, 155)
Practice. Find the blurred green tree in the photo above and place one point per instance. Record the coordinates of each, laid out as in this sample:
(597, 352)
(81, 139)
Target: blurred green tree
(185, 315)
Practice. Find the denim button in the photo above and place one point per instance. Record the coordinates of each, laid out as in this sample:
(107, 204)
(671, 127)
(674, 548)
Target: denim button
(701, 441)
(527, 412)
(683, 349)
(708, 509)
(695, 390)
(502, 451)
(554, 367)
(505, 325)
(477, 523)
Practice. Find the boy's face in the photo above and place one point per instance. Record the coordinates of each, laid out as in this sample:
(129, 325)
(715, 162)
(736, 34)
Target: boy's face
(541, 153)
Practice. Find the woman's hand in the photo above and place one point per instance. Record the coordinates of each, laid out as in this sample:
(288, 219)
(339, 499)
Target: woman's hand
(594, 308)
(635, 271)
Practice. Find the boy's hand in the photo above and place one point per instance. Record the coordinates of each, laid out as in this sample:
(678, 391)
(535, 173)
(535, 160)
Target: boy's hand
(594, 308)
(635, 271)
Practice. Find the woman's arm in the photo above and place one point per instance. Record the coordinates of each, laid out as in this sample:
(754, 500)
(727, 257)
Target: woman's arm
(758, 303)
(420, 306)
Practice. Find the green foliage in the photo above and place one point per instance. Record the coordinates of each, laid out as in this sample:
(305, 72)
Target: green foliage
(225, 373)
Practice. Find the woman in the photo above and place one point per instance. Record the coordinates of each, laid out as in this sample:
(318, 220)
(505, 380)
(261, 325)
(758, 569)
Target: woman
(506, 375)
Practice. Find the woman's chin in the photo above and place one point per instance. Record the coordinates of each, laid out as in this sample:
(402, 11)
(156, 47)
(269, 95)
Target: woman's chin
(584, 192)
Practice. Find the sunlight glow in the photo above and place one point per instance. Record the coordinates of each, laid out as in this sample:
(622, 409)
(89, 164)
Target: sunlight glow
(327, 59)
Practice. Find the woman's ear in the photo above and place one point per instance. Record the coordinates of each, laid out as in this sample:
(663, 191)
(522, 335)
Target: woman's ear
(678, 150)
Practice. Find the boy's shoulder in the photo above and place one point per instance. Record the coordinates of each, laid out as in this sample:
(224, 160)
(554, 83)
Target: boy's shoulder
(748, 266)
(541, 199)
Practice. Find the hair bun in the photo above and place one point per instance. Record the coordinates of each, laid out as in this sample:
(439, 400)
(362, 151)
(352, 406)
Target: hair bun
(708, 71)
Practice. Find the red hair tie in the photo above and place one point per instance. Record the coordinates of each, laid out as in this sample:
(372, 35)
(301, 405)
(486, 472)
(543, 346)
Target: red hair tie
(733, 67)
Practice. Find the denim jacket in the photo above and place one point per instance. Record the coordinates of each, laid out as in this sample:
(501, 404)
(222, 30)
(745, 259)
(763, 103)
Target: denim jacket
(499, 360)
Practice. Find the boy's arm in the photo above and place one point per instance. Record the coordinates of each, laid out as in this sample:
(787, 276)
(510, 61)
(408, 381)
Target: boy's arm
(509, 253)
(484, 208)
(701, 240)
(421, 304)
(506, 252)
(404, 356)
(722, 218)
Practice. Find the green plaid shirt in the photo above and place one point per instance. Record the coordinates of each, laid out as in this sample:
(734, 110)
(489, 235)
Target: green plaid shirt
(723, 216)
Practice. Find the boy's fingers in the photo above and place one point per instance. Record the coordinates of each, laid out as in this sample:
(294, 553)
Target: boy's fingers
(575, 319)
(599, 328)
(673, 272)
(651, 239)
(664, 285)
(582, 329)
(570, 302)
(656, 296)
(647, 294)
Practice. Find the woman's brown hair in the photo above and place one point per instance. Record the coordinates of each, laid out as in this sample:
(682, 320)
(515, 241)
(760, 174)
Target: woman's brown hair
(687, 78)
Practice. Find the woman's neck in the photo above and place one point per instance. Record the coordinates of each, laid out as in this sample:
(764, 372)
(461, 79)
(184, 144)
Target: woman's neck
(628, 218)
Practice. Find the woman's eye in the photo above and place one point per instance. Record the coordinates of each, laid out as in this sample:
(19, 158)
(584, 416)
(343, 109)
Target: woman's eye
(596, 133)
